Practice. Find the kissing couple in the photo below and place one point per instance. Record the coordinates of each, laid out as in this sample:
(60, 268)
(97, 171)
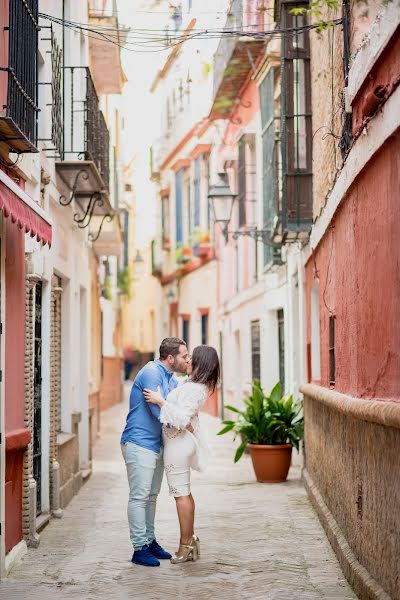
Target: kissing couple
(162, 432)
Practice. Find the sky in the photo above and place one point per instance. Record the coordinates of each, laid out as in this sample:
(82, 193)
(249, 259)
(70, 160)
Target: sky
(140, 106)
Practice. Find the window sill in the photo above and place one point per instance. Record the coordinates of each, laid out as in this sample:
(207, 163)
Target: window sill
(64, 438)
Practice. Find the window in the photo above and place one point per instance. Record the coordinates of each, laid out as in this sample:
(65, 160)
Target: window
(242, 182)
(188, 208)
(179, 206)
(270, 160)
(255, 350)
(165, 226)
(315, 334)
(332, 366)
(281, 347)
(197, 189)
(185, 330)
(126, 238)
(296, 122)
(204, 328)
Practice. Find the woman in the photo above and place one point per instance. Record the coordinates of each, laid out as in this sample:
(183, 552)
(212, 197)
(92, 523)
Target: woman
(184, 446)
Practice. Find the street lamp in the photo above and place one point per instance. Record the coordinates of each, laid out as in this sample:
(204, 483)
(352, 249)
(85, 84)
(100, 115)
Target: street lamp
(138, 263)
(221, 199)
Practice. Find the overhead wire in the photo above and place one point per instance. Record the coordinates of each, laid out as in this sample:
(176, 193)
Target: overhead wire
(158, 40)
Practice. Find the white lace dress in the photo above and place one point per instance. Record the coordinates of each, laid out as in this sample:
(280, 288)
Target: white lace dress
(183, 450)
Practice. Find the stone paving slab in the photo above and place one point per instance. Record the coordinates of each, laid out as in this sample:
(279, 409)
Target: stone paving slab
(259, 541)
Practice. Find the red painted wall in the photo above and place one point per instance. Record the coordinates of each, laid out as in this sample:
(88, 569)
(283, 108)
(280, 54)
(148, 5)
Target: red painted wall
(14, 379)
(358, 264)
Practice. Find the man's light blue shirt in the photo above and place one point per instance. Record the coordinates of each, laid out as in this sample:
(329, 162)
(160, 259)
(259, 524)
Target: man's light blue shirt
(142, 423)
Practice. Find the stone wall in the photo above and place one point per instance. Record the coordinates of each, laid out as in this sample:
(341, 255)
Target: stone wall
(327, 83)
(355, 488)
(68, 456)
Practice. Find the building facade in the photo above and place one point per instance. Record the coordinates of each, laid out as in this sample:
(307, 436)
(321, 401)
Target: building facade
(59, 163)
(352, 411)
(183, 251)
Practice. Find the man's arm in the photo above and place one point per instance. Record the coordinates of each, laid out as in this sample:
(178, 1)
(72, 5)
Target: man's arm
(152, 380)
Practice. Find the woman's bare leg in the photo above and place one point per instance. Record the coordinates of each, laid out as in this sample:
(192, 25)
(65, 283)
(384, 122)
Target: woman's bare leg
(185, 508)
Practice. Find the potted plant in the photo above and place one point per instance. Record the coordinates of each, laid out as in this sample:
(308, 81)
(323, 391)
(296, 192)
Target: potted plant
(269, 426)
(167, 243)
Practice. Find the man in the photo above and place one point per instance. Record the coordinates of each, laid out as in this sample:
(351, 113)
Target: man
(142, 449)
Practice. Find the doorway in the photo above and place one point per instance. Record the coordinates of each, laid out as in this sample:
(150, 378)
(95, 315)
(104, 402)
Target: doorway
(37, 396)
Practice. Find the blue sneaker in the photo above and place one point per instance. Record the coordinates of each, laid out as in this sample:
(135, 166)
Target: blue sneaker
(158, 551)
(145, 558)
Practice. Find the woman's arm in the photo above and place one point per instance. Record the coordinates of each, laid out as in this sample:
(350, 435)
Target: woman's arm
(179, 413)
(154, 397)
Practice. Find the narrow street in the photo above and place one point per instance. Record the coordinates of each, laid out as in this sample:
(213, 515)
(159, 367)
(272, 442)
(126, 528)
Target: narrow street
(258, 541)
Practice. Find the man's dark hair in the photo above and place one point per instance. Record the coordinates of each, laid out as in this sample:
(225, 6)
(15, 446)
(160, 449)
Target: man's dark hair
(170, 346)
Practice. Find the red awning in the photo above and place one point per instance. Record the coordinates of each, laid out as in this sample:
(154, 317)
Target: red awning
(22, 210)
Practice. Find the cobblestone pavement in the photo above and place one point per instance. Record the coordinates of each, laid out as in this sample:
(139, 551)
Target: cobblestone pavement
(259, 541)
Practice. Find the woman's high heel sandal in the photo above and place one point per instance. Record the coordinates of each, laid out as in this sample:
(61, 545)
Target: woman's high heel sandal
(190, 553)
(196, 541)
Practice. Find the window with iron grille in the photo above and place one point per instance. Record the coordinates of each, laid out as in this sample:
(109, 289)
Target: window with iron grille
(19, 118)
(188, 208)
(126, 237)
(296, 124)
(242, 182)
(332, 365)
(270, 159)
(281, 346)
(255, 350)
(197, 190)
(179, 206)
(55, 106)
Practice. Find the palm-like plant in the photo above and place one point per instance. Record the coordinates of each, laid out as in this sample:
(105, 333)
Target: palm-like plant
(267, 420)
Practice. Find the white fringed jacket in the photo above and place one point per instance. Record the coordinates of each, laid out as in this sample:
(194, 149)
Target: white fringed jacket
(181, 409)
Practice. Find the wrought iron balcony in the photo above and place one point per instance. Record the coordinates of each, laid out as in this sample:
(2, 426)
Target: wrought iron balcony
(236, 55)
(85, 164)
(18, 78)
(51, 131)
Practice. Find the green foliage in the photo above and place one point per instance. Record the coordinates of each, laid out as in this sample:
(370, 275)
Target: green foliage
(124, 281)
(315, 10)
(107, 288)
(267, 420)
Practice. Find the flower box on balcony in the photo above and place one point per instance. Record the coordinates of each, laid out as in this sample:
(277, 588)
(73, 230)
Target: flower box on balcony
(201, 250)
(183, 255)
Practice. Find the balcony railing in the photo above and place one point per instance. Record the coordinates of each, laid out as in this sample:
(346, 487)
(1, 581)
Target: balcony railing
(86, 136)
(18, 121)
(53, 134)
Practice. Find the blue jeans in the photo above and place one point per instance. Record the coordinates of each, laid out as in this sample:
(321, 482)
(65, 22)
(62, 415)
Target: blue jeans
(145, 470)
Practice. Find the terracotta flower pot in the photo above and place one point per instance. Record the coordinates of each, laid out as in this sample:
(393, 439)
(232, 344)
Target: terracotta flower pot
(271, 463)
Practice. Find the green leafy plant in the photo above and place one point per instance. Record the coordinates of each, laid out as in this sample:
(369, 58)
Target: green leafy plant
(267, 420)
(124, 281)
(107, 288)
(315, 10)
